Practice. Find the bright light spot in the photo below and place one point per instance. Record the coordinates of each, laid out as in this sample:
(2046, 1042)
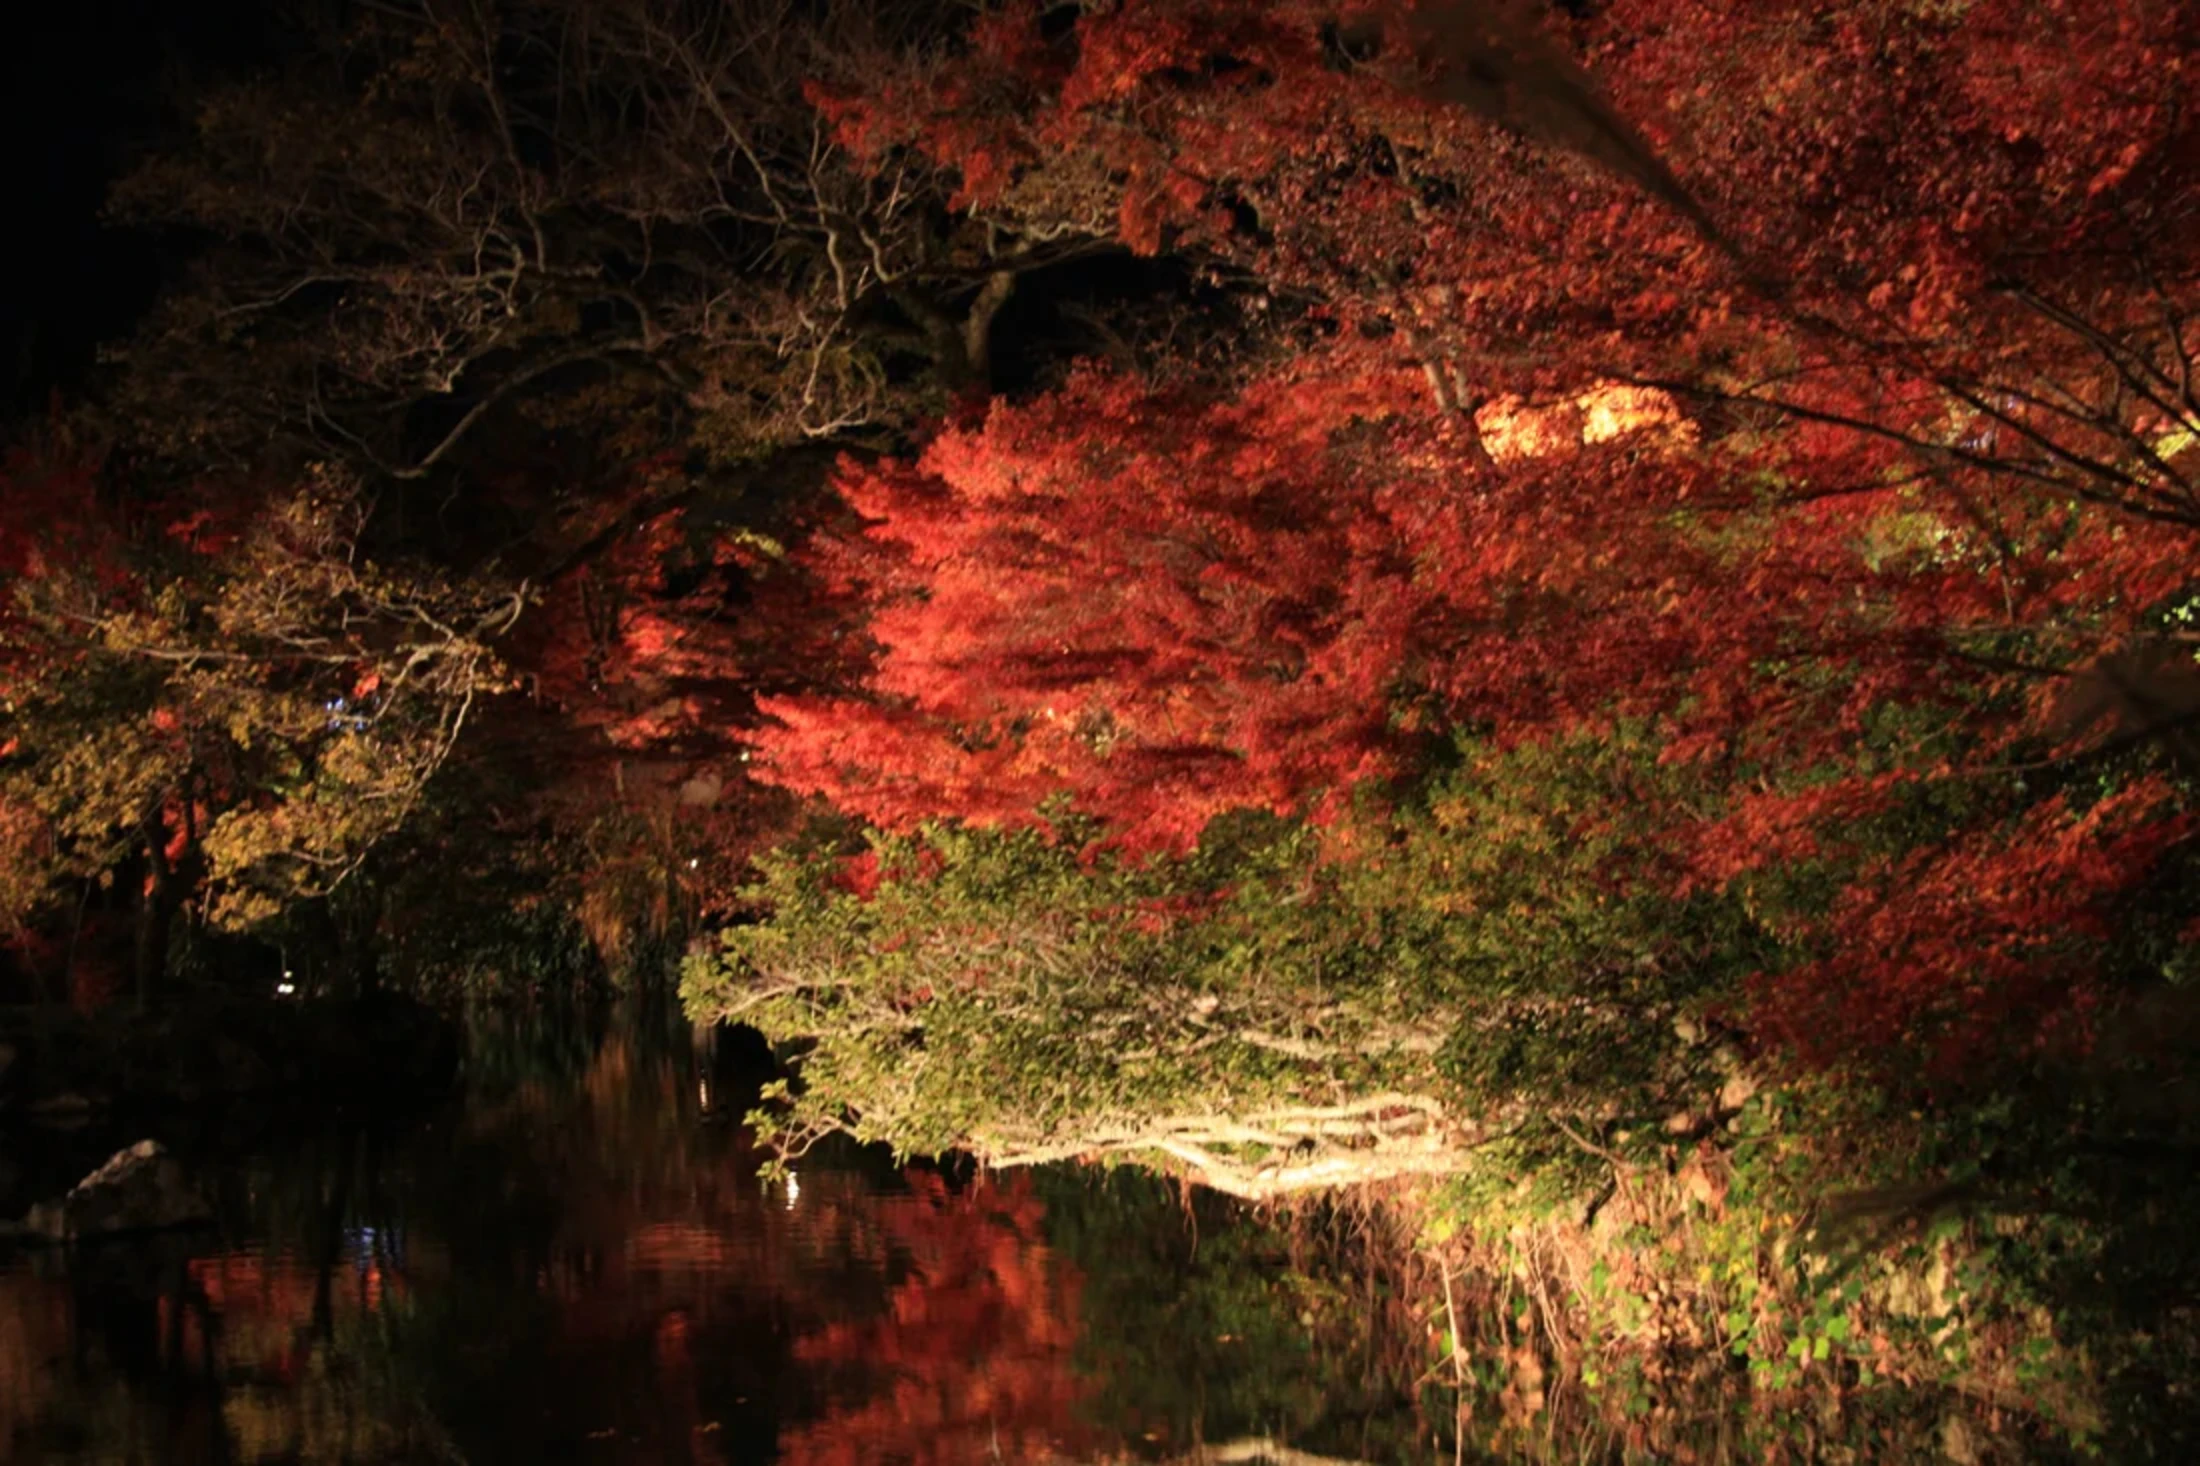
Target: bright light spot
(794, 1190)
(694, 861)
(285, 988)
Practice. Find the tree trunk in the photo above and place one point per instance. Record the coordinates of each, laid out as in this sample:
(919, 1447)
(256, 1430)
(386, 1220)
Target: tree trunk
(156, 915)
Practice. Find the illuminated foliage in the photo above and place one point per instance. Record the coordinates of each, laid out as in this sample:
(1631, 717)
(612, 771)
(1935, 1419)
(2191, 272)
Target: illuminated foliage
(1831, 420)
(1354, 589)
(226, 705)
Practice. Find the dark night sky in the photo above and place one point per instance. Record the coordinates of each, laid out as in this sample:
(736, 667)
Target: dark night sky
(86, 84)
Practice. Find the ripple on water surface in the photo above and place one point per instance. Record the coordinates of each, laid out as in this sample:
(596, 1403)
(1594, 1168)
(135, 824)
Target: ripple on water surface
(587, 1269)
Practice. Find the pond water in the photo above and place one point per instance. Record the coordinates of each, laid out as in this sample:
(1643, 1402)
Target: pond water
(578, 1260)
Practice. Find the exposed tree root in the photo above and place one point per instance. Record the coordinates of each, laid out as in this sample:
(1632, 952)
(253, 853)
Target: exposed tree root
(1261, 1448)
(1273, 1152)
(1253, 1450)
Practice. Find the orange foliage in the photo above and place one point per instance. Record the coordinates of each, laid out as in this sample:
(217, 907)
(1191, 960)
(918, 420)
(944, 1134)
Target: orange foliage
(971, 1360)
(1773, 375)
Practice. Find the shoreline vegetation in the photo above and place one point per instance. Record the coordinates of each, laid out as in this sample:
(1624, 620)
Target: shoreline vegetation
(1728, 1258)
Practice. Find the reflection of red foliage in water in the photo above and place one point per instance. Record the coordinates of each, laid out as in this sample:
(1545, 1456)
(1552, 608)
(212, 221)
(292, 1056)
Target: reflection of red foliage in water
(266, 1307)
(252, 1283)
(972, 1354)
(35, 1327)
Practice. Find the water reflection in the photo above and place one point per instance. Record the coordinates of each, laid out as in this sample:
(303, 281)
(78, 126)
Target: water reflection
(573, 1266)
(580, 1263)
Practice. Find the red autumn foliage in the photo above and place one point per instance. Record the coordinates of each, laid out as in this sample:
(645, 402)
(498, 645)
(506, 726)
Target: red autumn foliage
(1923, 288)
(972, 1356)
(1996, 930)
(1162, 606)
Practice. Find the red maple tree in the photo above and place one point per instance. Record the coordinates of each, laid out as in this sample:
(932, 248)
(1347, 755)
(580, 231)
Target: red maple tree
(1786, 377)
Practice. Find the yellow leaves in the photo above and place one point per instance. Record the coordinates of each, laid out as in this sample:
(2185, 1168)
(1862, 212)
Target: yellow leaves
(763, 544)
(296, 693)
(1514, 429)
(26, 848)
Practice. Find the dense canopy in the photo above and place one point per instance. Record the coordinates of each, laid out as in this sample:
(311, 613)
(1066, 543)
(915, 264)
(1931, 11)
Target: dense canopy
(1306, 591)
